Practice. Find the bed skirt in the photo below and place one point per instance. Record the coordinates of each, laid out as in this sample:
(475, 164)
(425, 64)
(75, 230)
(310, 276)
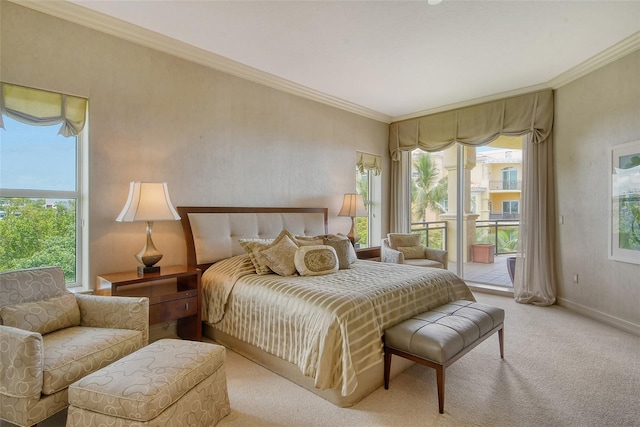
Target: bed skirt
(368, 380)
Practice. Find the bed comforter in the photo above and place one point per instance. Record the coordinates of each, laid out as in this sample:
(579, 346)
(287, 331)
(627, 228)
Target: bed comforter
(330, 326)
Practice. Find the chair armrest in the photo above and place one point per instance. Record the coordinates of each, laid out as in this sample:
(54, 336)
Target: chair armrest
(437, 255)
(115, 312)
(21, 362)
(388, 254)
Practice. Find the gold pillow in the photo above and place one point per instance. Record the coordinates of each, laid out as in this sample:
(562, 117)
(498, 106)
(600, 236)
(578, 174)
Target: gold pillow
(398, 239)
(412, 252)
(343, 248)
(316, 260)
(254, 248)
(309, 240)
(280, 257)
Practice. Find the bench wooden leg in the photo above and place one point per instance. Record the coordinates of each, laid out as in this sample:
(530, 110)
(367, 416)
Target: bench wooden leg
(387, 368)
(501, 339)
(440, 381)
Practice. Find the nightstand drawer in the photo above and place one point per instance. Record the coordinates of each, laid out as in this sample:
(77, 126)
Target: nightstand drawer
(171, 310)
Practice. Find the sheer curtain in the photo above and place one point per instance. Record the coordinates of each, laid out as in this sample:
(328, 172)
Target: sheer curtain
(530, 114)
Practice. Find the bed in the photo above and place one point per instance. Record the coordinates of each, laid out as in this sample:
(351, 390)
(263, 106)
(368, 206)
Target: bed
(322, 332)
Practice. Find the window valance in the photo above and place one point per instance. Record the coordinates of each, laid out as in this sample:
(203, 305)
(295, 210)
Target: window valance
(369, 162)
(475, 125)
(43, 108)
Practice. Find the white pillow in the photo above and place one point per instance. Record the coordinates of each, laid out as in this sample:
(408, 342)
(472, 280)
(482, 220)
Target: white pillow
(316, 260)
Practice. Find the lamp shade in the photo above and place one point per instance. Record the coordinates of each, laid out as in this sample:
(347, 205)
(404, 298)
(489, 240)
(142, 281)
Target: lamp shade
(148, 201)
(352, 205)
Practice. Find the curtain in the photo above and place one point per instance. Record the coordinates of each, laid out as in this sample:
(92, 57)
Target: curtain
(478, 125)
(43, 108)
(369, 162)
(399, 214)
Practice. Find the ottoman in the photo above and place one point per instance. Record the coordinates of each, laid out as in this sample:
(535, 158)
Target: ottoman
(170, 382)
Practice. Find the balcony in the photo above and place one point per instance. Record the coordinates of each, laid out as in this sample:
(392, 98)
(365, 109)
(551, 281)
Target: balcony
(505, 185)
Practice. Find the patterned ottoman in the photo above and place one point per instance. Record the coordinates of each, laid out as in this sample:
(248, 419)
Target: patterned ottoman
(167, 383)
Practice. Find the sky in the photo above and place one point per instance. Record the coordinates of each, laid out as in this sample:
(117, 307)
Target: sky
(36, 157)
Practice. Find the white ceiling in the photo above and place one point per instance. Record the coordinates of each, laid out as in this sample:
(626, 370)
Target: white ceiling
(383, 59)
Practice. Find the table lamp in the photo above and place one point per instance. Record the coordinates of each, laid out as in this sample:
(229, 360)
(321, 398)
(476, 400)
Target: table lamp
(353, 206)
(149, 202)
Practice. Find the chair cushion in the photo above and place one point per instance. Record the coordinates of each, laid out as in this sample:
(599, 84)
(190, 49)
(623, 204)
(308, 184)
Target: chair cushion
(32, 284)
(412, 252)
(43, 316)
(72, 353)
(424, 262)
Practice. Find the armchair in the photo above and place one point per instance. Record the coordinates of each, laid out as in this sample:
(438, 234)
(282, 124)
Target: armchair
(406, 249)
(50, 337)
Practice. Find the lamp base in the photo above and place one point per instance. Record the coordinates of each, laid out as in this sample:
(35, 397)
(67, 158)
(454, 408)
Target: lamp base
(148, 270)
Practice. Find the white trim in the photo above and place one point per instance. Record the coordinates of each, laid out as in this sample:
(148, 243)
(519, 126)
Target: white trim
(106, 24)
(599, 316)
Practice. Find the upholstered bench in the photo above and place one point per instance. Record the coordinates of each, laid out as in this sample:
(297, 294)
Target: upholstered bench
(439, 337)
(167, 383)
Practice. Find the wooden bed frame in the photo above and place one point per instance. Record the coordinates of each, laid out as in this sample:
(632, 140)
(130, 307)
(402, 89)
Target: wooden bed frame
(368, 381)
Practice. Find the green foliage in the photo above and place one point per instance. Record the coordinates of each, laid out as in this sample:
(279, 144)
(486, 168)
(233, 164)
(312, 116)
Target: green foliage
(507, 238)
(426, 192)
(35, 235)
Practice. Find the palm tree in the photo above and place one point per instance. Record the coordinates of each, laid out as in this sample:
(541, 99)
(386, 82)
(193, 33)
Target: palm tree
(426, 190)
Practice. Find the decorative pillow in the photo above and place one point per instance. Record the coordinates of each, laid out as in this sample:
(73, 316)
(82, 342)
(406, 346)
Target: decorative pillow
(397, 239)
(316, 260)
(343, 248)
(43, 316)
(412, 252)
(352, 251)
(310, 240)
(253, 248)
(280, 257)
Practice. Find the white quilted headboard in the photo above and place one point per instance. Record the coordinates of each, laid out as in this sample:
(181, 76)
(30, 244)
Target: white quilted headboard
(212, 233)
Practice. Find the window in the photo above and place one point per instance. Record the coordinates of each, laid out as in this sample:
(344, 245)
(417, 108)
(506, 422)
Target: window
(510, 207)
(509, 177)
(369, 185)
(40, 188)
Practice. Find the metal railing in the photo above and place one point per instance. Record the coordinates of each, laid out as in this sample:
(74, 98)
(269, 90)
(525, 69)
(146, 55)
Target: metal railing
(434, 233)
(489, 231)
(503, 233)
(508, 184)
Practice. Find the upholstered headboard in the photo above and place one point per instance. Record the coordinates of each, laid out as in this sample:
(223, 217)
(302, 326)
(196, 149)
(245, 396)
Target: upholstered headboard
(212, 233)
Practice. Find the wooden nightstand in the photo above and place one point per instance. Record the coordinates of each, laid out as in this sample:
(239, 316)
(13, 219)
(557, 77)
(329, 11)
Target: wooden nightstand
(174, 293)
(370, 254)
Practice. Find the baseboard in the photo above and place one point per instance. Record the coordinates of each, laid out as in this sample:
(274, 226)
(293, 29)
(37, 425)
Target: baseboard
(600, 316)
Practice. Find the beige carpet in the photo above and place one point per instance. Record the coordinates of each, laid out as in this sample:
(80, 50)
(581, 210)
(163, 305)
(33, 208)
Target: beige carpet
(560, 369)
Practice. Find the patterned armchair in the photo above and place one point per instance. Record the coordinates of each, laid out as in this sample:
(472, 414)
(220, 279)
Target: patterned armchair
(406, 249)
(50, 337)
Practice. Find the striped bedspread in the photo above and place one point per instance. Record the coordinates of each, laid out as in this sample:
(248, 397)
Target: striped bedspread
(330, 326)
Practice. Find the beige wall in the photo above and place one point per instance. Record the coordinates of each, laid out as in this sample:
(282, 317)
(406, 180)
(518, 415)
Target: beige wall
(216, 139)
(593, 114)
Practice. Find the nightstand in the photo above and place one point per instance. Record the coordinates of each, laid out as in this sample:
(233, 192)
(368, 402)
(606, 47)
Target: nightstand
(174, 294)
(369, 254)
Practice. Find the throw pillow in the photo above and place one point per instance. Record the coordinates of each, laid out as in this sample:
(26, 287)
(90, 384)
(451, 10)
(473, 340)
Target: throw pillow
(398, 239)
(43, 316)
(253, 248)
(412, 252)
(316, 260)
(309, 240)
(280, 257)
(343, 248)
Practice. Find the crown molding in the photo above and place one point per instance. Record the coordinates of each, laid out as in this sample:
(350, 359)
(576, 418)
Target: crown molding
(607, 56)
(124, 30)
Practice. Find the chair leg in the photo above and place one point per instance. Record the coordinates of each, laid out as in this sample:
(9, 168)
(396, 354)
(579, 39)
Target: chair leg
(501, 339)
(387, 368)
(440, 381)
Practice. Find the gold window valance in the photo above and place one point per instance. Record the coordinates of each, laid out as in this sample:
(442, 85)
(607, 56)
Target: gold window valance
(476, 125)
(369, 162)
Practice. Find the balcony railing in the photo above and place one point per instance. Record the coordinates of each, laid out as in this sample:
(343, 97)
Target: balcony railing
(503, 233)
(505, 185)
